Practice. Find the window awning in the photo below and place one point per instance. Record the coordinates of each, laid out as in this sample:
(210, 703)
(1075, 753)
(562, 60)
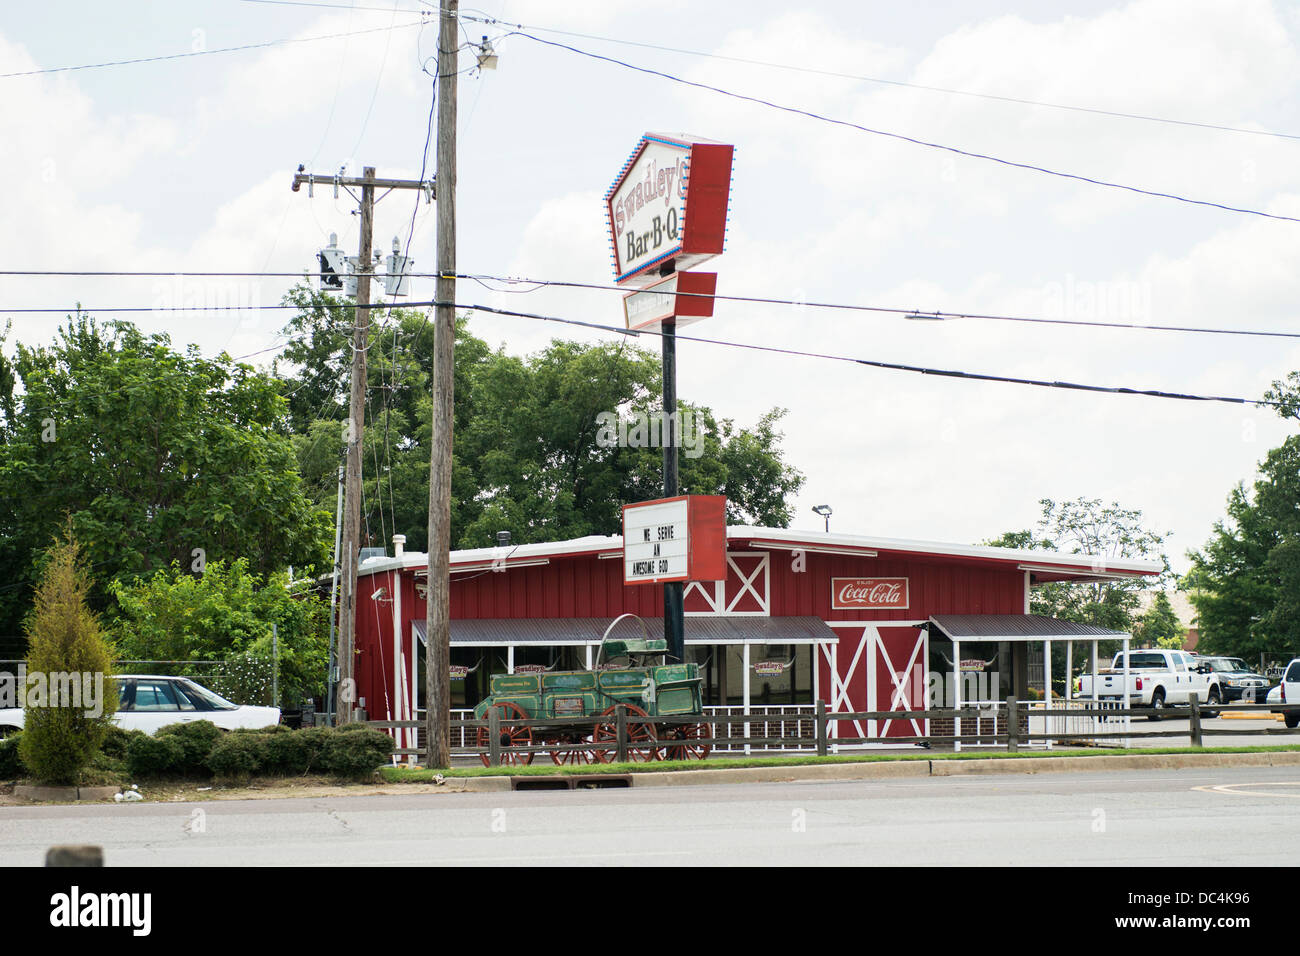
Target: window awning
(582, 631)
(1018, 627)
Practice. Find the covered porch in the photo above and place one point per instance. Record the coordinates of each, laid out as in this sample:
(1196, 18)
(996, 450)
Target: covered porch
(984, 659)
(748, 662)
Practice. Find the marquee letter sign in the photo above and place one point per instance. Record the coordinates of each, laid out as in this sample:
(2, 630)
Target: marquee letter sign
(869, 594)
(669, 203)
(675, 539)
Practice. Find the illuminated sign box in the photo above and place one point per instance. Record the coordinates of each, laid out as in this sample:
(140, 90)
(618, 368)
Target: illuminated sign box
(675, 539)
(683, 297)
(668, 204)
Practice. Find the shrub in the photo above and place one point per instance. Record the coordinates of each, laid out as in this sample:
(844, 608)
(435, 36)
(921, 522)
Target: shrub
(59, 739)
(353, 727)
(11, 762)
(104, 770)
(197, 740)
(263, 731)
(237, 756)
(357, 753)
(295, 751)
(116, 740)
(154, 756)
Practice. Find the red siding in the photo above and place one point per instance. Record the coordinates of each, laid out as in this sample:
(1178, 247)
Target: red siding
(587, 586)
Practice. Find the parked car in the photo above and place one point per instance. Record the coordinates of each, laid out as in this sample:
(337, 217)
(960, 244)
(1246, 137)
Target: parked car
(1290, 693)
(1237, 682)
(1158, 678)
(148, 701)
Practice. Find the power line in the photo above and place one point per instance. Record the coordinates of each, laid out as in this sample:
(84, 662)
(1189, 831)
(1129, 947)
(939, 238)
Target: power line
(379, 78)
(332, 6)
(539, 284)
(489, 21)
(1030, 167)
(893, 366)
(229, 49)
(840, 306)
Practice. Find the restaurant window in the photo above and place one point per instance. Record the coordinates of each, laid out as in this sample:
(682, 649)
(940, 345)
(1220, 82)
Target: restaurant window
(985, 668)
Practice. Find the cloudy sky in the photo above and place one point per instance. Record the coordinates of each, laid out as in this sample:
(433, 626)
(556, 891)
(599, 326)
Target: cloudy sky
(186, 163)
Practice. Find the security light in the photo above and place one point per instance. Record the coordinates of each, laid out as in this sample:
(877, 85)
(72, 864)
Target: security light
(825, 512)
(487, 57)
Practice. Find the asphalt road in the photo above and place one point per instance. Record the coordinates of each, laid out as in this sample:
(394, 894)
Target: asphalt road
(1243, 816)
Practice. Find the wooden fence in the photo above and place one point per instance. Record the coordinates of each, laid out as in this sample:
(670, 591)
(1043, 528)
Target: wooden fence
(1013, 735)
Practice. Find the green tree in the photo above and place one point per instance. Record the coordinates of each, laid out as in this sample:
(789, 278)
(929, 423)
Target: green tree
(63, 731)
(313, 372)
(1159, 626)
(527, 456)
(154, 456)
(1245, 581)
(226, 614)
(1108, 531)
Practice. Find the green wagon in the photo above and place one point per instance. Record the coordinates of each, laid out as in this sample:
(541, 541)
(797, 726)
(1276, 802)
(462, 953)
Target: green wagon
(633, 672)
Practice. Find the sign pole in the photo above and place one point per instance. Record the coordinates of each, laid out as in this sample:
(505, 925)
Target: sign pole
(667, 214)
(674, 615)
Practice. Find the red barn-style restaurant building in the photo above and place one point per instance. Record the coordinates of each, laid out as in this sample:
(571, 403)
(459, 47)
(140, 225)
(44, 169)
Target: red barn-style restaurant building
(859, 622)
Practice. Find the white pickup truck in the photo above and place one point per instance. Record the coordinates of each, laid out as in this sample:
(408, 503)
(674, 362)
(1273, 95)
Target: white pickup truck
(1158, 678)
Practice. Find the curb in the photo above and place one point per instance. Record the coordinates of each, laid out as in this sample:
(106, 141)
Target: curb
(849, 771)
(894, 769)
(957, 768)
(1255, 715)
(45, 794)
(480, 784)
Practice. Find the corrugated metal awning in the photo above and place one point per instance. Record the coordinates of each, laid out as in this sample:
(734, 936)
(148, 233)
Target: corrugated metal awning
(560, 631)
(1018, 627)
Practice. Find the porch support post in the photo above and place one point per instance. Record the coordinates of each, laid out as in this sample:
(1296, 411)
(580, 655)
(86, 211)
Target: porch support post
(835, 673)
(956, 680)
(1047, 690)
(1069, 670)
(745, 665)
(1127, 703)
(510, 658)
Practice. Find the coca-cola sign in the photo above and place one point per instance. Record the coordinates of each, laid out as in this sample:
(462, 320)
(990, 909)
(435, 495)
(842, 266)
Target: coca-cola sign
(869, 594)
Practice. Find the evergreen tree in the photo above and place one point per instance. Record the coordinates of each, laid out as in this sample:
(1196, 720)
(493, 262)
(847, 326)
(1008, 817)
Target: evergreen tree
(63, 729)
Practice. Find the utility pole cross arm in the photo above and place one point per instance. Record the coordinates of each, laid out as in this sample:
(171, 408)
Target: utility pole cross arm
(429, 186)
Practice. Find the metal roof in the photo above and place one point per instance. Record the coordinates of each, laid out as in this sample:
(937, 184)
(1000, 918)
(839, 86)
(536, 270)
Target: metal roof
(1051, 563)
(735, 629)
(1018, 627)
(813, 541)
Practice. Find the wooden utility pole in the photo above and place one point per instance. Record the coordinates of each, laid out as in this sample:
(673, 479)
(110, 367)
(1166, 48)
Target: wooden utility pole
(346, 697)
(437, 614)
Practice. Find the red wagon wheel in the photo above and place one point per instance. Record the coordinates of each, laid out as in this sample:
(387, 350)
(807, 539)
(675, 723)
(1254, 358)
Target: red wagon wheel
(642, 741)
(575, 753)
(512, 736)
(696, 741)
